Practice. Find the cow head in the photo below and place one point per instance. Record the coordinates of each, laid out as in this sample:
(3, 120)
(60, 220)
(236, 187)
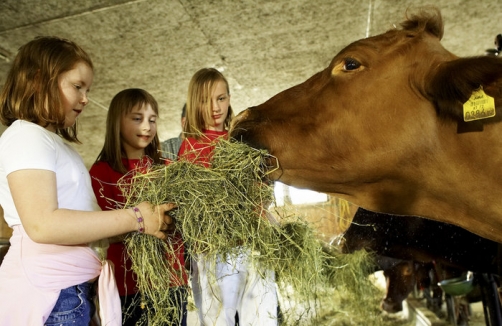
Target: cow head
(382, 125)
(400, 280)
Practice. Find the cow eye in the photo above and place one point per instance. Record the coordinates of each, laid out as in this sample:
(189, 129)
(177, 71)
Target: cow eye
(351, 64)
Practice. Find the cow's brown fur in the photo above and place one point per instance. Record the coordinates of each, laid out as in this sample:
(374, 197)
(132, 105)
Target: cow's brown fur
(382, 127)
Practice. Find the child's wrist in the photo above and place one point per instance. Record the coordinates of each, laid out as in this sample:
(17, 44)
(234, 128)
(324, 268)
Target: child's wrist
(139, 219)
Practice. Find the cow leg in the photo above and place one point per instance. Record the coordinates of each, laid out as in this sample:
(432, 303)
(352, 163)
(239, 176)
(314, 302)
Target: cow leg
(491, 300)
(464, 311)
(432, 292)
(450, 308)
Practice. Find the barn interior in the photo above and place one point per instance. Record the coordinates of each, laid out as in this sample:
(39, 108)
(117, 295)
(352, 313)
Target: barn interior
(261, 46)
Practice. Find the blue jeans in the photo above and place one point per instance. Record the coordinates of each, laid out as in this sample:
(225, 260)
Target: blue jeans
(74, 306)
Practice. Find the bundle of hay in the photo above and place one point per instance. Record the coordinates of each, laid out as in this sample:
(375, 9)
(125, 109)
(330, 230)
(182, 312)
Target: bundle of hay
(221, 210)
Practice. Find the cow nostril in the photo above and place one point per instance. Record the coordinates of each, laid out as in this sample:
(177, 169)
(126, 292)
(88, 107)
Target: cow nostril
(241, 116)
(234, 128)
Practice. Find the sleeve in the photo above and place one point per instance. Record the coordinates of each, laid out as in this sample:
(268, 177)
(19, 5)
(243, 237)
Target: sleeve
(29, 147)
(170, 148)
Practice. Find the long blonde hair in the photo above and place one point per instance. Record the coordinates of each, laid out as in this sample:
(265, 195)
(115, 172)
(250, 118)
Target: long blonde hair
(121, 105)
(31, 90)
(198, 102)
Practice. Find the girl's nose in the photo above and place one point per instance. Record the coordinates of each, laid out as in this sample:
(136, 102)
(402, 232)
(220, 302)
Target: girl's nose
(145, 125)
(216, 106)
(85, 99)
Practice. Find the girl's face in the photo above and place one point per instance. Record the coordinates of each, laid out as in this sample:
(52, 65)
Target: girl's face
(218, 111)
(137, 130)
(74, 85)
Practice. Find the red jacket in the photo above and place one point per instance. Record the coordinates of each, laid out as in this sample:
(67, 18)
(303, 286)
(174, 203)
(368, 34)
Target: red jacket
(200, 151)
(104, 183)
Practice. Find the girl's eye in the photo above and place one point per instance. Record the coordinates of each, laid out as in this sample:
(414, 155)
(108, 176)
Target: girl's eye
(153, 121)
(78, 86)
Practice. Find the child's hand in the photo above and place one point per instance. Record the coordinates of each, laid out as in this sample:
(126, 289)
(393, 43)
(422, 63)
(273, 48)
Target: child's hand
(156, 219)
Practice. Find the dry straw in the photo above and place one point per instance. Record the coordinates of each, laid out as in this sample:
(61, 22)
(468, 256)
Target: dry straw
(221, 210)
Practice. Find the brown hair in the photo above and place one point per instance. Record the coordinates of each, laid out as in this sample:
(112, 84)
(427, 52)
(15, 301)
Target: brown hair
(31, 90)
(199, 93)
(121, 105)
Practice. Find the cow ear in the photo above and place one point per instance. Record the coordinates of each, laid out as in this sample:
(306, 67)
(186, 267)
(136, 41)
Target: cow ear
(452, 84)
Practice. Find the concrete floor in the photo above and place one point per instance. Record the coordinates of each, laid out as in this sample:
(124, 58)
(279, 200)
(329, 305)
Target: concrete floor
(414, 311)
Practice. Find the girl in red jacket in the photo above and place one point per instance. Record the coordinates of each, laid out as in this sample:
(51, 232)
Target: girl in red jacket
(132, 145)
(227, 290)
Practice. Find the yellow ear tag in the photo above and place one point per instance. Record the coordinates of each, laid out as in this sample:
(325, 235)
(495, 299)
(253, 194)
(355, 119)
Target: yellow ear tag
(479, 106)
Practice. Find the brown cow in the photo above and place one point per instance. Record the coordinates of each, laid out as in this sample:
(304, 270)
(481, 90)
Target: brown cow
(382, 126)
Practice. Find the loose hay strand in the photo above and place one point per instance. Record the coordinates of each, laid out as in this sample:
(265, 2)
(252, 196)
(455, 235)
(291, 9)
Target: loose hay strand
(219, 210)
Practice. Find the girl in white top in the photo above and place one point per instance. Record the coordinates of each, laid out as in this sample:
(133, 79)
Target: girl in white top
(47, 198)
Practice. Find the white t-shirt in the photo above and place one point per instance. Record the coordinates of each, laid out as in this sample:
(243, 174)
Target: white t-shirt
(25, 145)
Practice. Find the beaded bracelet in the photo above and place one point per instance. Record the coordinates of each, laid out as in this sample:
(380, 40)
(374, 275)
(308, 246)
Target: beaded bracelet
(139, 218)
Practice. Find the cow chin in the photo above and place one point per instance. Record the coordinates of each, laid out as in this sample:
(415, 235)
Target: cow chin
(391, 306)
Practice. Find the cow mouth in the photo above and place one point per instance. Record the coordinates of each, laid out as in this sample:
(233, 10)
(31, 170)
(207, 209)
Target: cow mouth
(243, 134)
(391, 306)
(270, 164)
(244, 130)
